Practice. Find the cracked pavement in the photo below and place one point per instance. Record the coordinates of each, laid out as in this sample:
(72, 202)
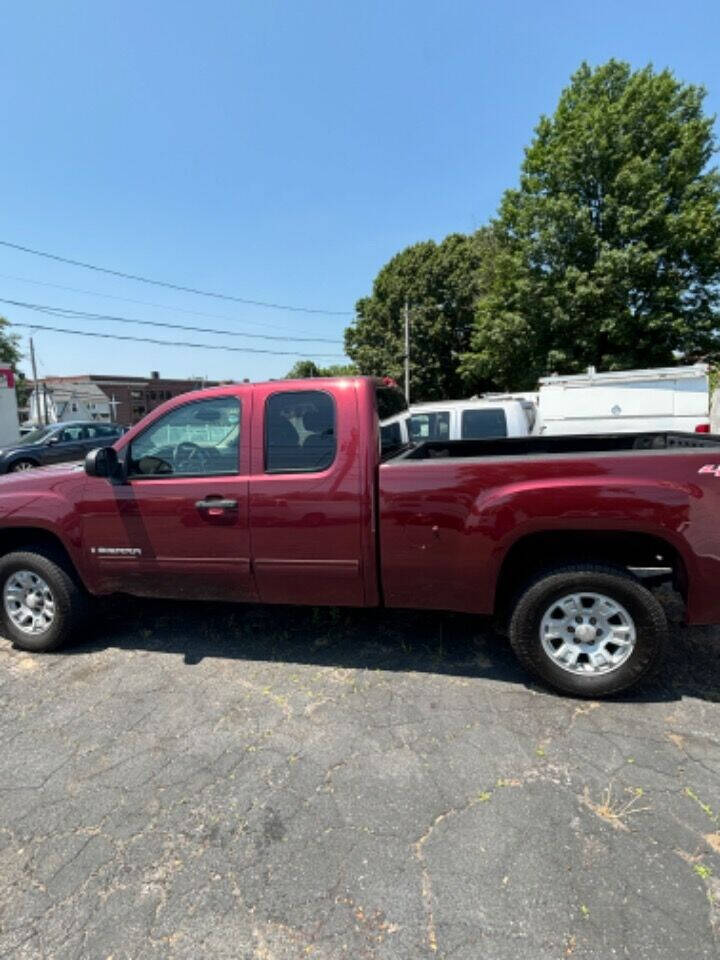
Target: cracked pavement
(276, 783)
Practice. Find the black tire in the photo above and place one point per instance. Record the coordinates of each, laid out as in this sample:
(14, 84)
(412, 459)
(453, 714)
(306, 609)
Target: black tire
(69, 598)
(21, 465)
(647, 615)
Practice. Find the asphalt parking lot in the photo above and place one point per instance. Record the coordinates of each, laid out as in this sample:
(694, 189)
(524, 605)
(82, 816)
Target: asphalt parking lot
(207, 781)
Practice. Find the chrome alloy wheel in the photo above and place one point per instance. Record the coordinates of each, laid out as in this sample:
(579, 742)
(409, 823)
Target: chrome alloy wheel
(29, 602)
(587, 633)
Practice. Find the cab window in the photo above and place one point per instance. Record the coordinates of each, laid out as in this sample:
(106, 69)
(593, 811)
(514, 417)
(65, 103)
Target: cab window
(477, 424)
(200, 438)
(300, 431)
(430, 426)
(390, 436)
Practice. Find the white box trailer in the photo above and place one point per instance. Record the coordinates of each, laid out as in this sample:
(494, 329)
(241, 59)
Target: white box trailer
(625, 401)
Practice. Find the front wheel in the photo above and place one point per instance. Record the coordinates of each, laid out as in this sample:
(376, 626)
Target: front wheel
(42, 604)
(588, 630)
(20, 465)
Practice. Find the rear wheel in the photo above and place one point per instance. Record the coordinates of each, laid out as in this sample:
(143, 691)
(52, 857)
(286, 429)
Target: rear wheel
(42, 604)
(588, 630)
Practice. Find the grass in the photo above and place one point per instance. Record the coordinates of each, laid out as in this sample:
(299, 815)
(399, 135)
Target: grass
(705, 807)
(614, 810)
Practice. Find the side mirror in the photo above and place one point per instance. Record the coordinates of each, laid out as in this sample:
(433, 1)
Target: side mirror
(51, 441)
(103, 462)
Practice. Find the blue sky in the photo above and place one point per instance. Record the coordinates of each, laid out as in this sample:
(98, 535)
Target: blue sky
(276, 151)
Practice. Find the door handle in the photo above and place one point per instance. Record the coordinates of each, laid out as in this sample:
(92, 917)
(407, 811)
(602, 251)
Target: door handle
(216, 504)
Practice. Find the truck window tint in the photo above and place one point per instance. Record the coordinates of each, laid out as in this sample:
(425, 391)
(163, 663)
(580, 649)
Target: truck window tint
(299, 431)
(430, 426)
(477, 424)
(200, 438)
(389, 402)
(391, 438)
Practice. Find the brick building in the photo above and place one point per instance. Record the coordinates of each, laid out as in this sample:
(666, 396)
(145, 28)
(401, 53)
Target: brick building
(103, 397)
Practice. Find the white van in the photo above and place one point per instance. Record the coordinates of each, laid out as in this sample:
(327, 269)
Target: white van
(625, 401)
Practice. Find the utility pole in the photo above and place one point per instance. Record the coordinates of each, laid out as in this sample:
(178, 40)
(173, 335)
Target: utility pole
(35, 380)
(407, 351)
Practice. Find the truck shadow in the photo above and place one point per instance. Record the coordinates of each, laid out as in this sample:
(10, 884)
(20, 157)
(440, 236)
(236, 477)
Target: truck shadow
(395, 640)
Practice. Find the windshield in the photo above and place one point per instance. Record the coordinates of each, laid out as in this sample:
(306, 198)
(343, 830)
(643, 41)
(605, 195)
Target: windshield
(36, 436)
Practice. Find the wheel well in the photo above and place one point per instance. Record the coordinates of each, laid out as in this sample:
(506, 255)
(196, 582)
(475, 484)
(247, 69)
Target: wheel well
(538, 551)
(25, 538)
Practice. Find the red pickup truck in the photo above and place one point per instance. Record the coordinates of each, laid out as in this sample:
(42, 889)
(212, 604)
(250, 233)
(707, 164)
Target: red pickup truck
(285, 492)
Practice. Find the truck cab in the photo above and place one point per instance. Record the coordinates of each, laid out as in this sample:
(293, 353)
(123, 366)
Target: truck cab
(470, 419)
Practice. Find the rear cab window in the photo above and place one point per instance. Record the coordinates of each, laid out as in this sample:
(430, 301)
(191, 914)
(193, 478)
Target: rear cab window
(300, 431)
(476, 424)
(390, 403)
(391, 435)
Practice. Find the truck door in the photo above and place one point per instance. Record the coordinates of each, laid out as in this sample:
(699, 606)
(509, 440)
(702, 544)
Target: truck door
(307, 509)
(179, 526)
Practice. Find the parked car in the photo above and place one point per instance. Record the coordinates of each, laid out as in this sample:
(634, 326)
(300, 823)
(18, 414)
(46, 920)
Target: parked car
(471, 419)
(664, 398)
(56, 443)
(279, 493)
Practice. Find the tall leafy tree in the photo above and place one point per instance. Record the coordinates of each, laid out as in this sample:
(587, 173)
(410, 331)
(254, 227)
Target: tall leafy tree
(608, 253)
(439, 283)
(10, 354)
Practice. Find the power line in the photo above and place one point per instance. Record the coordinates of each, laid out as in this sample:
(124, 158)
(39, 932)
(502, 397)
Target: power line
(173, 286)
(144, 303)
(69, 314)
(173, 343)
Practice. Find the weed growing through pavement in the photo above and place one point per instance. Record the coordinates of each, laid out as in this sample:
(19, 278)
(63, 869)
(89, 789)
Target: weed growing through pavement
(612, 809)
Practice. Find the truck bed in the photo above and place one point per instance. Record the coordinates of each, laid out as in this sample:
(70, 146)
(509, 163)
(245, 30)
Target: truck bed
(534, 446)
(451, 511)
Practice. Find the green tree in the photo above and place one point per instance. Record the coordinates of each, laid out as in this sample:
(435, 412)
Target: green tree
(608, 253)
(308, 368)
(10, 356)
(23, 389)
(439, 282)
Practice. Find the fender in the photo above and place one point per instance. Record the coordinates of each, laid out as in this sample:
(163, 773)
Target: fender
(632, 504)
(46, 501)
(659, 508)
(448, 526)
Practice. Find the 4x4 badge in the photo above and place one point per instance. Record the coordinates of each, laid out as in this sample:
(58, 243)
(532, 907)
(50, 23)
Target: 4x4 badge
(712, 468)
